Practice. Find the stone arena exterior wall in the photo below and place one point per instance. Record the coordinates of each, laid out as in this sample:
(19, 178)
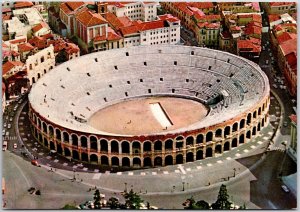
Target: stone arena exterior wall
(153, 150)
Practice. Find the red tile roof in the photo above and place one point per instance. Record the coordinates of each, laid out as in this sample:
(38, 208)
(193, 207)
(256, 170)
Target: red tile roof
(6, 67)
(5, 10)
(21, 40)
(285, 36)
(208, 18)
(289, 46)
(23, 4)
(118, 22)
(235, 28)
(225, 34)
(273, 17)
(70, 7)
(209, 25)
(168, 17)
(202, 5)
(137, 26)
(87, 18)
(247, 45)
(71, 48)
(25, 47)
(40, 26)
(277, 4)
(291, 59)
(111, 36)
(253, 30)
(6, 17)
(280, 27)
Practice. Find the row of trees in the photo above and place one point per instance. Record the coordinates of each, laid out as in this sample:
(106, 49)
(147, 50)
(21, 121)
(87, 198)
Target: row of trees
(222, 202)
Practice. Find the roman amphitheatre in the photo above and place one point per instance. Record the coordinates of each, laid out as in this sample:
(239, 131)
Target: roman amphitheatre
(147, 107)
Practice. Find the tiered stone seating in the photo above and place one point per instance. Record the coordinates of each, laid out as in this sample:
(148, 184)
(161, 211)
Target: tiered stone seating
(85, 85)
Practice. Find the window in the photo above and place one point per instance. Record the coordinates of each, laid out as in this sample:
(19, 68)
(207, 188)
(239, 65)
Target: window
(88, 93)
(145, 63)
(128, 82)
(105, 99)
(209, 68)
(149, 90)
(116, 67)
(161, 79)
(175, 63)
(127, 54)
(173, 90)
(192, 52)
(67, 68)
(110, 86)
(187, 80)
(126, 94)
(88, 74)
(141, 80)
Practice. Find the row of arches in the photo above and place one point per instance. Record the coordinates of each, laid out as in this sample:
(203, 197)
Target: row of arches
(143, 160)
(38, 75)
(134, 147)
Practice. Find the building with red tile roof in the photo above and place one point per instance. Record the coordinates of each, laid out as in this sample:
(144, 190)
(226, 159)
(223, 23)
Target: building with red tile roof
(11, 67)
(90, 19)
(90, 25)
(67, 13)
(290, 73)
(41, 29)
(248, 49)
(285, 36)
(145, 11)
(239, 7)
(279, 7)
(23, 4)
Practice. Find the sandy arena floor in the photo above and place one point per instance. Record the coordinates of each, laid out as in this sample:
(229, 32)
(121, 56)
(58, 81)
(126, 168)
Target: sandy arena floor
(134, 117)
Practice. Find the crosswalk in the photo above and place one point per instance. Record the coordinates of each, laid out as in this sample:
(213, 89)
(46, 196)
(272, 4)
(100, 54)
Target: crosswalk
(275, 148)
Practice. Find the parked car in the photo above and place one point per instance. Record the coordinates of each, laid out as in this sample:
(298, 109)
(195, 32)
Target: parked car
(274, 85)
(9, 126)
(15, 146)
(267, 62)
(285, 188)
(34, 162)
(285, 124)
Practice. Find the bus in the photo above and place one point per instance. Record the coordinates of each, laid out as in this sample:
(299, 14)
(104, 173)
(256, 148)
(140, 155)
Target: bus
(4, 146)
(3, 185)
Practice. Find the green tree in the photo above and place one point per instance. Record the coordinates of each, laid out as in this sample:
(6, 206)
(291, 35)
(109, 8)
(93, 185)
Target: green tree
(132, 200)
(189, 203)
(113, 203)
(192, 204)
(202, 205)
(61, 57)
(223, 200)
(97, 198)
(69, 207)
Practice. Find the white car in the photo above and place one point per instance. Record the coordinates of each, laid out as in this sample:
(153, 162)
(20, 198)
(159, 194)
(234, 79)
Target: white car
(267, 62)
(15, 146)
(9, 126)
(274, 85)
(285, 188)
(10, 119)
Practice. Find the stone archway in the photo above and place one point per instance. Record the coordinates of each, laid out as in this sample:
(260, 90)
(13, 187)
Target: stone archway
(168, 160)
(190, 157)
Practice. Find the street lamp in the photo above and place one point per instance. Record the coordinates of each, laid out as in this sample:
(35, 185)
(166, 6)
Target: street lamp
(125, 190)
(74, 178)
(234, 172)
(183, 186)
